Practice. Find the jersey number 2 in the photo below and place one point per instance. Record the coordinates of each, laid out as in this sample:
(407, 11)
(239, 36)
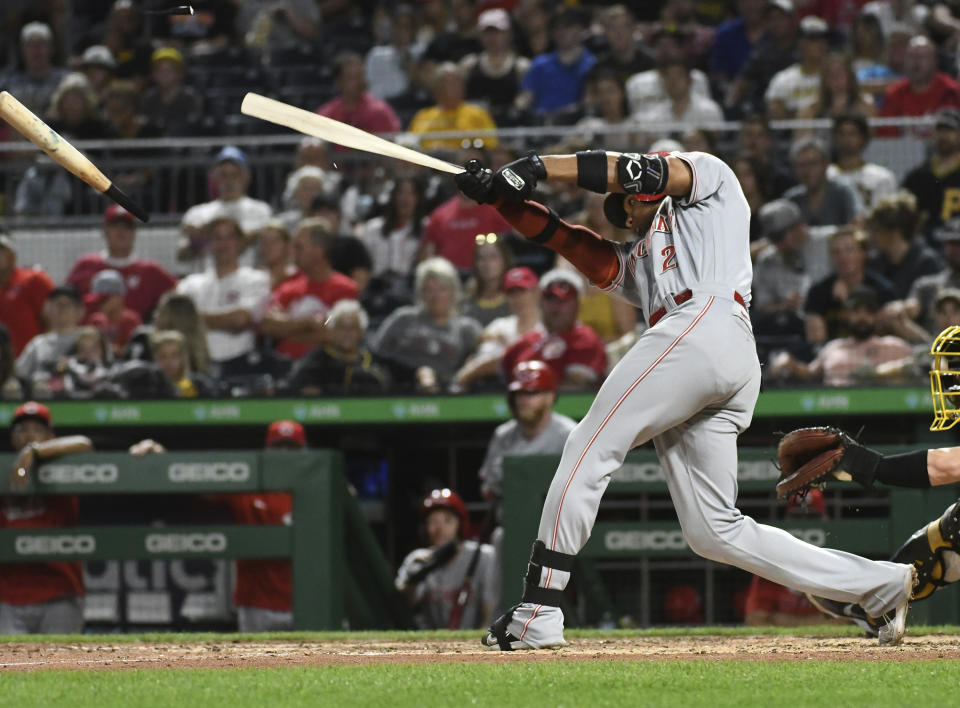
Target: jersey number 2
(669, 254)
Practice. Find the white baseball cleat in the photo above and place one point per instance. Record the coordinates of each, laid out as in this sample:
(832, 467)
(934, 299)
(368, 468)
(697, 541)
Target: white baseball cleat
(891, 633)
(516, 629)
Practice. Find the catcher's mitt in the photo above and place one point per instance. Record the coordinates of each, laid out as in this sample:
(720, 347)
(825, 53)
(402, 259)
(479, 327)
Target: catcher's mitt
(810, 456)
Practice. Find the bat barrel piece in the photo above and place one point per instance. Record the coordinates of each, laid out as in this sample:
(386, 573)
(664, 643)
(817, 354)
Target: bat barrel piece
(117, 195)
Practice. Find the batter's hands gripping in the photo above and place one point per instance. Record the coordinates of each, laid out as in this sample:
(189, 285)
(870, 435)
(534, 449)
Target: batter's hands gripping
(810, 456)
(517, 180)
(476, 183)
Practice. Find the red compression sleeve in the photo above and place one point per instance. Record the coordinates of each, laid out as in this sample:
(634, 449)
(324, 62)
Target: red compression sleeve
(593, 255)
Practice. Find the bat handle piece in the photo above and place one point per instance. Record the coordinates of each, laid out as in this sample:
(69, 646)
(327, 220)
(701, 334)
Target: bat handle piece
(117, 195)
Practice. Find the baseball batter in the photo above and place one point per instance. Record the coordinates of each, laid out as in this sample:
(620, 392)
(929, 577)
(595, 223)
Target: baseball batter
(689, 383)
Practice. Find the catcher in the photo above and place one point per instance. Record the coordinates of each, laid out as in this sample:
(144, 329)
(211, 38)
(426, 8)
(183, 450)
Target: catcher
(810, 457)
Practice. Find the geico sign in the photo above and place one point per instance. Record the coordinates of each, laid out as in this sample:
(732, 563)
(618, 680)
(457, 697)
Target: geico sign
(78, 474)
(54, 545)
(208, 472)
(815, 537)
(185, 542)
(644, 541)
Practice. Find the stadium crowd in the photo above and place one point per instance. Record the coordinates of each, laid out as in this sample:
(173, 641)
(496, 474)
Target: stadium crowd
(370, 277)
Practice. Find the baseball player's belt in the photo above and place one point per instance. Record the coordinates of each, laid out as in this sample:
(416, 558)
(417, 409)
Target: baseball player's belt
(681, 298)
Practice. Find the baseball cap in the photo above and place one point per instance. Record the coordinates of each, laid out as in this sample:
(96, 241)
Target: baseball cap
(108, 282)
(231, 153)
(282, 432)
(98, 55)
(35, 30)
(949, 232)
(814, 27)
(945, 294)
(171, 53)
(778, 217)
(115, 212)
(66, 291)
(32, 410)
(520, 278)
(494, 18)
(782, 5)
(947, 117)
(562, 284)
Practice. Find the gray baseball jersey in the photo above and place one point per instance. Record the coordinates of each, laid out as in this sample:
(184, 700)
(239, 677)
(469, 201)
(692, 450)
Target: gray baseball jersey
(508, 439)
(690, 384)
(437, 594)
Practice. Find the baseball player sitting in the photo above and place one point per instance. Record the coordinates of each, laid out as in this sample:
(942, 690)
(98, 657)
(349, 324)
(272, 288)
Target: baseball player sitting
(689, 383)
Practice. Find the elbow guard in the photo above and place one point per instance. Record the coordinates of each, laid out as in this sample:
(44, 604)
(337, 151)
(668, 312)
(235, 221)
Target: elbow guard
(643, 175)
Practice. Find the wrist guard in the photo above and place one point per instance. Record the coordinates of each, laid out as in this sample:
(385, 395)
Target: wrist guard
(643, 174)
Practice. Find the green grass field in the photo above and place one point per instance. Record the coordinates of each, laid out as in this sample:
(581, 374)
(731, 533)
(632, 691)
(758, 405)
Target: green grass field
(594, 681)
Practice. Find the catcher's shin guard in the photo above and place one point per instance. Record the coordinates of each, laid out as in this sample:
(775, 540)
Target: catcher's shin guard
(925, 551)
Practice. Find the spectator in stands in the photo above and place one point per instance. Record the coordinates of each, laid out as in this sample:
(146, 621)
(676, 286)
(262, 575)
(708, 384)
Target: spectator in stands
(273, 244)
(347, 255)
(798, 85)
(556, 80)
(522, 288)
(342, 366)
(107, 312)
(145, 280)
(924, 90)
(10, 387)
(649, 88)
(388, 66)
(201, 33)
(23, 294)
(179, 313)
(605, 105)
(303, 184)
(299, 308)
(749, 173)
(174, 107)
(484, 299)
(85, 371)
(825, 302)
(354, 105)
(494, 74)
(392, 240)
(899, 256)
(771, 604)
(99, 66)
(532, 20)
(230, 179)
(229, 297)
(432, 577)
(736, 39)
(121, 103)
(73, 110)
(63, 312)
(909, 14)
(168, 349)
(624, 54)
(268, 25)
(38, 78)
(424, 344)
(683, 105)
(775, 51)
(452, 227)
(125, 38)
(756, 142)
(856, 359)
(872, 182)
(839, 93)
(823, 201)
(572, 349)
(452, 113)
(936, 182)
(868, 48)
(459, 38)
(39, 598)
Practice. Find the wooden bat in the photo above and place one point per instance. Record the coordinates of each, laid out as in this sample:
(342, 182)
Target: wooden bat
(336, 132)
(44, 137)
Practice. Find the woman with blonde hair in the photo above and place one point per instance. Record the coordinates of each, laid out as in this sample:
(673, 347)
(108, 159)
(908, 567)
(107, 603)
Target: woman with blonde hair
(178, 312)
(840, 93)
(169, 350)
(485, 300)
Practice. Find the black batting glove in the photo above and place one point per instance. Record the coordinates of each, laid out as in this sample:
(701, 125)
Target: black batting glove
(517, 180)
(476, 183)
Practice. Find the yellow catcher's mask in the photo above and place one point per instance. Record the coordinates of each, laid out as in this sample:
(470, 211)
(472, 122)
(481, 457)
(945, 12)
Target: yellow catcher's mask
(945, 378)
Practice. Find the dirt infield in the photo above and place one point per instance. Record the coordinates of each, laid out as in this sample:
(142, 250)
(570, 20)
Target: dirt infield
(226, 654)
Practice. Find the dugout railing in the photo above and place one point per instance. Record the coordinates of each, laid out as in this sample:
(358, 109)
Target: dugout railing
(637, 531)
(340, 576)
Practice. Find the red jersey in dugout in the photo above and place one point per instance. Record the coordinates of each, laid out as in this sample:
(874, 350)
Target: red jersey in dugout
(576, 348)
(21, 305)
(300, 297)
(145, 280)
(265, 584)
(767, 596)
(33, 583)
